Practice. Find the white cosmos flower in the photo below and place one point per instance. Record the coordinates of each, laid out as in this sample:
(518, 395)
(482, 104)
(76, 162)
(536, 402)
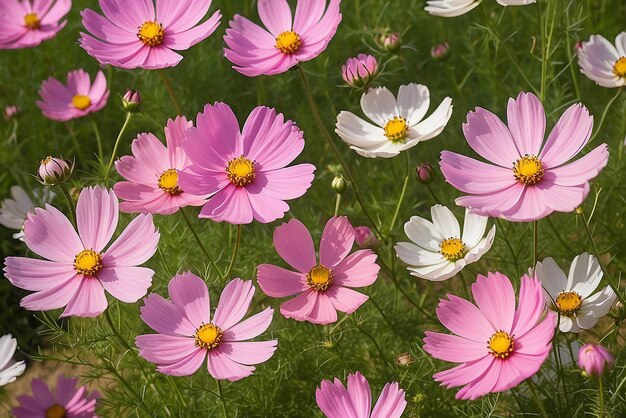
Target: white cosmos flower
(602, 62)
(438, 249)
(9, 369)
(13, 210)
(573, 296)
(399, 125)
(452, 8)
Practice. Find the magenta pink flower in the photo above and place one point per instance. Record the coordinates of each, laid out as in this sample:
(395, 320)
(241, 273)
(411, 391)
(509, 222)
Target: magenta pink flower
(244, 172)
(286, 42)
(497, 345)
(187, 334)
(132, 34)
(79, 98)
(66, 401)
(323, 288)
(355, 401)
(527, 178)
(76, 271)
(27, 23)
(152, 173)
(595, 360)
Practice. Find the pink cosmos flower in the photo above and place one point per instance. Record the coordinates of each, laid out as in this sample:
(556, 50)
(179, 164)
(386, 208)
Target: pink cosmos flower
(323, 288)
(27, 23)
(286, 42)
(355, 401)
(497, 345)
(76, 271)
(187, 334)
(152, 173)
(525, 179)
(132, 34)
(595, 360)
(244, 172)
(79, 98)
(66, 401)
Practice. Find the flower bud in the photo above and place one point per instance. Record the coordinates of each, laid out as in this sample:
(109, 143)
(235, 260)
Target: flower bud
(360, 70)
(425, 173)
(11, 111)
(391, 42)
(405, 359)
(440, 52)
(54, 171)
(131, 102)
(339, 184)
(364, 237)
(595, 360)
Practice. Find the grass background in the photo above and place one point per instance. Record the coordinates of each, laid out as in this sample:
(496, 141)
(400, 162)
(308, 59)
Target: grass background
(496, 52)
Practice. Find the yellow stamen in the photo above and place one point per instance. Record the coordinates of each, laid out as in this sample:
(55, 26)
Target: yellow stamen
(56, 411)
(568, 303)
(240, 171)
(288, 42)
(31, 21)
(87, 262)
(81, 102)
(619, 69)
(452, 249)
(528, 170)
(501, 344)
(396, 129)
(319, 277)
(168, 181)
(208, 336)
(151, 33)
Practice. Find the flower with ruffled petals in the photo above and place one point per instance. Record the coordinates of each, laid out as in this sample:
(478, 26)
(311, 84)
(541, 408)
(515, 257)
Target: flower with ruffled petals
(595, 360)
(132, 34)
(245, 171)
(287, 40)
(76, 270)
(79, 98)
(323, 287)
(602, 62)
(496, 345)
(14, 210)
(399, 124)
(152, 173)
(188, 334)
(355, 400)
(66, 401)
(525, 179)
(9, 368)
(27, 23)
(453, 8)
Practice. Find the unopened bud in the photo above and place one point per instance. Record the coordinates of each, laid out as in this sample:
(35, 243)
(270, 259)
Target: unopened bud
(53, 170)
(364, 237)
(425, 173)
(440, 52)
(391, 42)
(595, 360)
(131, 102)
(405, 359)
(360, 70)
(11, 111)
(339, 184)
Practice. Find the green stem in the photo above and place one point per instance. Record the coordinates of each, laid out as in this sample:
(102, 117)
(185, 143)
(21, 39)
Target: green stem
(381, 353)
(403, 192)
(129, 116)
(601, 395)
(96, 131)
(70, 201)
(604, 113)
(570, 57)
(432, 193)
(337, 204)
(535, 243)
(170, 90)
(199, 241)
(235, 250)
(546, 41)
(221, 394)
(533, 393)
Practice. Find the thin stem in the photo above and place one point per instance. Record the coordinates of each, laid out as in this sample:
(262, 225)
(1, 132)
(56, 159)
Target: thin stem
(70, 201)
(199, 241)
(337, 203)
(570, 57)
(129, 116)
(535, 243)
(542, 410)
(601, 395)
(432, 193)
(604, 113)
(96, 131)
(403, 192)
(170, 90)
(381, 353)
(221, 394)
(235, 250)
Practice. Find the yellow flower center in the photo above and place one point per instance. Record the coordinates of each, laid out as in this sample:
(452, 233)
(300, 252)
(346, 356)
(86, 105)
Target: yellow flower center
(151, 33)
(288, 42)
(81, 102)
(56, 411)
(240, 171)
(168, 181)
(31, 21)
(452, 249)
(208, 336)
(619, 69)
(528, 170)
(87, 262)
(396, 128)
(568, 303)
(501, 344)
(319, 277)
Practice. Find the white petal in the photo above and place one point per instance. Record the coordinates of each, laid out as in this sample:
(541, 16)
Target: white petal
(423, 233)
(515, 2)
(474, 227)
(379, 105)
(444, 272)
(551, 276)
(413, 102)
(435, 123)
(481, 248)
(600, 303)
(416, 256)
(620, 44)
(358, 132)
(596, 59)
(445, 221)
(450, 8)
(8, 345)
(584, 320)
(567, 325)
(9, 374)
(584, 275)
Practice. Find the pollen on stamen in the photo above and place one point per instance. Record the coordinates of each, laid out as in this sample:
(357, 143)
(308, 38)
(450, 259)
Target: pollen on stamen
(240, 171)
(288, 42)
(528, 170)
(87, 262)
(452, 249)
(151, 33)
(208, 336)
(568, 303)
(396, 129)
(319, 277)
(501, 344)
(168, 182)
(81, 102)
(619, 69)
(31, 21)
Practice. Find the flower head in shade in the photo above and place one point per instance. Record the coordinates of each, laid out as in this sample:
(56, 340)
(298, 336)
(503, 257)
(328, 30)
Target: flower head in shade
(245, 171)
(453, 8)
(595, 360)
(76, 269)
(188, 333)
(602, 62)
(525, 178)
(355, 400)
(9, 368)
(322, 287)
(76, 99)
(360, 70)
(496, 345)
(65, 401)
(287, 41)
(14, 210)
(438, 250)
(27, 23)
(399, 124)
(132, 34)
(152, 173)
(573, 296)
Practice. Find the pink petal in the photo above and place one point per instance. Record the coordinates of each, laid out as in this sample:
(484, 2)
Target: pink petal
(495, 297)
(472, 176)
(308, 13)
(344, 299)
(295, 245)
(78, 82)
(323, 311)
(334, 401)
(249, 352)
(286, 183)
(490, 138)
(265, 208)
(530, 306)
(568, 137)
(496, 203)
(221, 367)
(175, 134)
(454, 348)
(359, 269)
(582, 170)
(233, 304)
(275, 15)
(337, 241)
(251, 327)
(127, 16)
(52, 298)
(278, 282)
(464, 319)
(96, 215)
(527, 123)
(50, 234)
(184, 40)
(198, 181)
(186, 366)
(190, 294)
(299, 308)
(151, 152)
(230, 204)
(178, 16)
(166, 318)
(98, 88)
(103, 29)
(483, 384)
(391, 403)
(538, 340)
(165, 349)
(36, 275)
(89, 299)
(360, 394)
(135, 245)
(128, 284)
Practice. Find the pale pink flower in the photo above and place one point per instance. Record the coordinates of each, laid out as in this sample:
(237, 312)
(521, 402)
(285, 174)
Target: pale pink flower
(360, 70)
(323, 287)
(525, 179)
(188, 333)
(364, 237)
(497, 345)
(595, 360)
(132, 34)
(287, 40)
(76, 270)
(244, 172)
(79, 98)
(152, 173)
(66, 401)
(355, 400)
(27, 23)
